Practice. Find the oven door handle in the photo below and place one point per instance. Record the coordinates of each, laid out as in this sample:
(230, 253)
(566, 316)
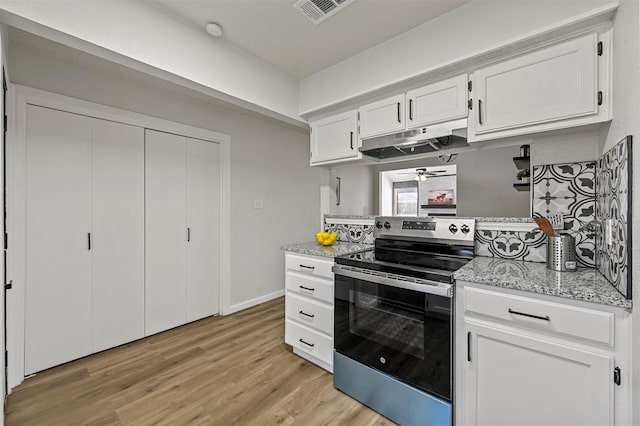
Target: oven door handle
(422, 286)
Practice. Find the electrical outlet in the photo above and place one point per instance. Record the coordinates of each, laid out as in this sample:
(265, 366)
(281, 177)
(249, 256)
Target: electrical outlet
(258, 203)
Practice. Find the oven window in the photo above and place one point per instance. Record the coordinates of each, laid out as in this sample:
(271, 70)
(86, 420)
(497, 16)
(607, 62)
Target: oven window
(386, 320)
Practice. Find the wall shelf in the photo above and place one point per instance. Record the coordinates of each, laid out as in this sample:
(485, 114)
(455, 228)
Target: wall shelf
(522, 162)
(522, 186)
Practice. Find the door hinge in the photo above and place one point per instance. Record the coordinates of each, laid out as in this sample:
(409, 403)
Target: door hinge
(616, 376)
(9, 285)
(600, 97)
(470, 103)
(470, 85)
(600, 48)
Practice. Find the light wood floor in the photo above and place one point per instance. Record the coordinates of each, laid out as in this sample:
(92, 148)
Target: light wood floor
(223, 370)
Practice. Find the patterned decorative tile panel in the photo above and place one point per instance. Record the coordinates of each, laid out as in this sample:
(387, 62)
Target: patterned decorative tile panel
(530, 246)
(613, 200)
(351, 232)
(569, 189)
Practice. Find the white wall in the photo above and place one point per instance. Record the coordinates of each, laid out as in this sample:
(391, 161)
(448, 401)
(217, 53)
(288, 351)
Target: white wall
(268, 162)
(469, 30)
(150, 35)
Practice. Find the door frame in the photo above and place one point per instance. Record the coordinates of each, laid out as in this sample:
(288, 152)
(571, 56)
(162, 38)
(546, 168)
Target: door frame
(19, 97)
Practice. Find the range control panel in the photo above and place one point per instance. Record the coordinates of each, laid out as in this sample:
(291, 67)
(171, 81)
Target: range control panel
(449, 228)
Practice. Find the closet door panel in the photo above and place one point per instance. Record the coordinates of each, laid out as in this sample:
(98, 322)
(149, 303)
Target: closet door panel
(118, 238)
(58, 260)
(203, 219)
(166, 233)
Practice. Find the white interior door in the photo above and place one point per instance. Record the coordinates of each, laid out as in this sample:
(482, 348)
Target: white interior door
(166, 231)
(118, 237)
(203, 219)
(58, 223)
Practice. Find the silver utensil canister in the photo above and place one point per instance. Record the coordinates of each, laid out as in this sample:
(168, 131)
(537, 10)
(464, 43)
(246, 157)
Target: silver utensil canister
(561, 253)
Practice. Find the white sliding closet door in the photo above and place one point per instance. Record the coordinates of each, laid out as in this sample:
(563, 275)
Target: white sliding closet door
(58, 260)
(203, 219)
(118, 243)
(166, 230)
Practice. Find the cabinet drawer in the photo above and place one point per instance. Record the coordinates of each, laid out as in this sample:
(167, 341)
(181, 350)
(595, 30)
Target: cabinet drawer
(309, 265)
(317, 288)
(309, 341)
(311, 313)
(571, 320)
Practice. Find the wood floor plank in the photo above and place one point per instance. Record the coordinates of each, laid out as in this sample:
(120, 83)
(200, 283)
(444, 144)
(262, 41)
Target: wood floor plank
(232, 370)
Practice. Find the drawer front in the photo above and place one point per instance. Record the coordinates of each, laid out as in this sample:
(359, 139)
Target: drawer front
(317, 288)
(309, 341)
(309, 265)
(575, 321)
(314, 314)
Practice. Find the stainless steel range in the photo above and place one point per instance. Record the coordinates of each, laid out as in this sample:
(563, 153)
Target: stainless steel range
(393, 329)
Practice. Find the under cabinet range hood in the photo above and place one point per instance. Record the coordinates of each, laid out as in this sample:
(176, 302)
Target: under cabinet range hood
(439, 139)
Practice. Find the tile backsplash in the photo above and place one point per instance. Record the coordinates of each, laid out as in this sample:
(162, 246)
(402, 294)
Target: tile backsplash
(353, 229)
(514, 245)
(613, 207)
(569, 189)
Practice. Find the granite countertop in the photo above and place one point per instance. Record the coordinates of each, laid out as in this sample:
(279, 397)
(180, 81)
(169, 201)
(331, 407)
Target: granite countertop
(585, 284)
(337, 249)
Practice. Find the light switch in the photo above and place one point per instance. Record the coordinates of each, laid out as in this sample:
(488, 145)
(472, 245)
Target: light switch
(258, 203)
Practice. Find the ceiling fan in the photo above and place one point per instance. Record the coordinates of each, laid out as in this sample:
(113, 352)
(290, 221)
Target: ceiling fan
(422, 173)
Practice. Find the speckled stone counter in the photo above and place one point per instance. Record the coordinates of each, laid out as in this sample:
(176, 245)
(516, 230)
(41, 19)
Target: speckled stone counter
(337, 249)
(585, 284)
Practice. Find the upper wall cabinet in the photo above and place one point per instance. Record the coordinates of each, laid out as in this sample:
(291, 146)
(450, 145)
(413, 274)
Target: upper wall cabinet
(442, 101)
(335, 139)
(560, 86)
(382, 117)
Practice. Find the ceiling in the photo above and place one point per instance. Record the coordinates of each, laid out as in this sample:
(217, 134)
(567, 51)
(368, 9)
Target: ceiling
(275, 32)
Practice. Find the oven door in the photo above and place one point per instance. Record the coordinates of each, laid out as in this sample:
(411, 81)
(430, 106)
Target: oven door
(404, 332)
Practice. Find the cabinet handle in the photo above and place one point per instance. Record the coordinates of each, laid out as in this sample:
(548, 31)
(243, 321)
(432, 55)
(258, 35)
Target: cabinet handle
(306, 314)
(545, 318)
(399, 120)
(468, 346)
(188, 234)
(480, 112)
(411, 109)
(307, 343)
(306, 288)
(307, 267)
(88, 240)
(351, 140)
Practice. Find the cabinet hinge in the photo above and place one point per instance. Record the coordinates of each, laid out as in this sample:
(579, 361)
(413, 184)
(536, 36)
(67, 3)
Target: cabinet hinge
(616, 376)
(600, 97)
(470, 103)
(600, 48)
(9, 285)
(470, 85)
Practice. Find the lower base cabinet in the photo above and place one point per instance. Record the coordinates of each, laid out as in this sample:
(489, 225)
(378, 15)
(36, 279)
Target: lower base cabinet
(535, 370)
(309, 308)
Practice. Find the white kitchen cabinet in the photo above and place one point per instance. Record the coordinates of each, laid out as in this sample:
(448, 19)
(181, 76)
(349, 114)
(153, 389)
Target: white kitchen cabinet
(555, 87)
(382, 117)
(443, 101)
(84, 236)
(182, 230)
(335, 139)
(526, 360)
(309, 308)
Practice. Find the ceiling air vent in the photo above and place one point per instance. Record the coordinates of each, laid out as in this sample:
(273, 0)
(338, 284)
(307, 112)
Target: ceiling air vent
(319, 10)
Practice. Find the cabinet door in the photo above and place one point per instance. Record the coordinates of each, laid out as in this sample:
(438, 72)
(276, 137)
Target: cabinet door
(334, 138)
(556, 83)
(442, 101)
(382, 117)
(203, 221)
(118, 234)
(58, 222)
(516, 379)
(166, 231)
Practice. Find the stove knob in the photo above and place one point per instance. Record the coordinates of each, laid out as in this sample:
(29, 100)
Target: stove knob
(379, 225)
(465, 229)
(453, 229)
(387, 225)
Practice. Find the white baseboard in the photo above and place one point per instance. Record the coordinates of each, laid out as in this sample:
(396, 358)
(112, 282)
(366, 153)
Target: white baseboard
(253, 302)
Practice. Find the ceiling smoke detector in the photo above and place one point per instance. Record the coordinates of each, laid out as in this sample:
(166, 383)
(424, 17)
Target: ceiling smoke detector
(319, 10)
